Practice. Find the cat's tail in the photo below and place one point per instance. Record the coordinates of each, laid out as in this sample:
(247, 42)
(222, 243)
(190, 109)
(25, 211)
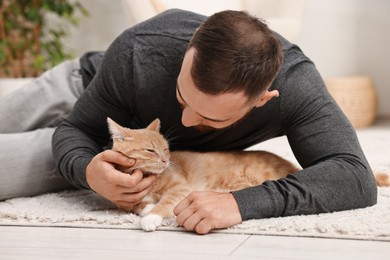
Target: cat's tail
(382, 179)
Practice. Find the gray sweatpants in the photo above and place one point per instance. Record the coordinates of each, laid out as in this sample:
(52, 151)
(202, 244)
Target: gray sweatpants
(28, 117)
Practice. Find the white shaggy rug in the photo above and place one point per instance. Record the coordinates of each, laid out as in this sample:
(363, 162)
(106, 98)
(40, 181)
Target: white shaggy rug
(85, 209)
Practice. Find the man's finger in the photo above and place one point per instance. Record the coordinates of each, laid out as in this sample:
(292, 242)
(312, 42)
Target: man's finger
(182, 205)
(143, 184)
(136, 197)
(203, 227)
(127, 180)
(184, 210)
(191, 219)
(117, 158)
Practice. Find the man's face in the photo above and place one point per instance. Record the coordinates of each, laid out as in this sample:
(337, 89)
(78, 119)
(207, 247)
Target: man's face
(204, 111)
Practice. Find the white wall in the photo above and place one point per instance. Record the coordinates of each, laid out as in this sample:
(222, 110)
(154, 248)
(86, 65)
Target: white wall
(343, 38)
(350, 37)
(106, 20)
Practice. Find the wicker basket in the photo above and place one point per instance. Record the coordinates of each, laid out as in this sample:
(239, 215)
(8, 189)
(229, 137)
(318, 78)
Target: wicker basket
(357, 98)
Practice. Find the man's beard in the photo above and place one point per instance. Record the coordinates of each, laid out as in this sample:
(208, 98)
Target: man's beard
(206, 128)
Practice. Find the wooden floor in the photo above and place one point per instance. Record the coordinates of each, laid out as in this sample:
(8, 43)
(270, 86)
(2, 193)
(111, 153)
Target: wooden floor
(79, 243)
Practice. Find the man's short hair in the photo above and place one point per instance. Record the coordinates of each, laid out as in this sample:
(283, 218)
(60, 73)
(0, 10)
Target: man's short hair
(235, 52)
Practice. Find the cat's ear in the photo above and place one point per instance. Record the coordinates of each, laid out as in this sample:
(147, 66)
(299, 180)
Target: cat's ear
(117, 131)
(155, 125)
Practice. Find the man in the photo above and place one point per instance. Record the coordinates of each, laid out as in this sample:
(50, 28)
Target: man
(216, 84)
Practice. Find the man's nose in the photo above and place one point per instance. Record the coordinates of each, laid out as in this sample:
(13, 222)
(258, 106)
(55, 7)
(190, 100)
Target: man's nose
(190, 118)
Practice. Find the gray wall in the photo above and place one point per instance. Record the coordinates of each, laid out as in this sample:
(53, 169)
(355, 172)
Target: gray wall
(343, 38)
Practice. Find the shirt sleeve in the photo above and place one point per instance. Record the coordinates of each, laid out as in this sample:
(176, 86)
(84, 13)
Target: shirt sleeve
(110, 94)
(335, 175)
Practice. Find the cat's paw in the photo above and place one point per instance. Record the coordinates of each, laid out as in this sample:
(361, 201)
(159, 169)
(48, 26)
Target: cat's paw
(151, 222)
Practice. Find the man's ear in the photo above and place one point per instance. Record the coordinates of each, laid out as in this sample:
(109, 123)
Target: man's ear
(266, 97)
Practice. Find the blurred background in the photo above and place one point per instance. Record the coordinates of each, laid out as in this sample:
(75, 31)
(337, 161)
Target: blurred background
(346, 39)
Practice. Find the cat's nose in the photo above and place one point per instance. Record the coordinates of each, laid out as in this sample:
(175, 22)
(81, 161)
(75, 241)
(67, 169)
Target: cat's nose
(165, 161)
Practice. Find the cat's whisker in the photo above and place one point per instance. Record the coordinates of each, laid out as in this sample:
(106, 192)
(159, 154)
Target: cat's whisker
(175, 168)
(171, 130)
(168, 134)
(171, 141)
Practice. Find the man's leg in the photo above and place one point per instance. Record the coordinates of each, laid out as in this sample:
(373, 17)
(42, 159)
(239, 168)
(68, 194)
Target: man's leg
(27, 166)
(44, 102)
(28, 117)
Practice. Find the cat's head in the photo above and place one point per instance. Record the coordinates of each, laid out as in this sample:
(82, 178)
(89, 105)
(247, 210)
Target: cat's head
(147, 146)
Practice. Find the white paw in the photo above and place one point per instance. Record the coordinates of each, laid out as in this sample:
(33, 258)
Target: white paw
(146, 210)
(151, 222)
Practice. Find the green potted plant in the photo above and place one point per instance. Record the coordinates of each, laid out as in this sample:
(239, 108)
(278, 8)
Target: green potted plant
(30, 45)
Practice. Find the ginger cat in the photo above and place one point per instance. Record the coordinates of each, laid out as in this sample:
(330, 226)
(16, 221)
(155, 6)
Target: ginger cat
(181, 172)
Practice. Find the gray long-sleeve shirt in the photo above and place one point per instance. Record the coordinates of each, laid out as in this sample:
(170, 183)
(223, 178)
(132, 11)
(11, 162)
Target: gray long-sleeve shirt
(136, 83)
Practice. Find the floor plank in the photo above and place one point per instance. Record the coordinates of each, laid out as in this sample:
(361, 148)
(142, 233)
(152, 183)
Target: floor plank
(276, 247)
(78, 243)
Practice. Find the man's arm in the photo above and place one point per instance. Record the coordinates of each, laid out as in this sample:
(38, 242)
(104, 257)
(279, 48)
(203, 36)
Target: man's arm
(84, 133)
(79, 142)
(335, 175)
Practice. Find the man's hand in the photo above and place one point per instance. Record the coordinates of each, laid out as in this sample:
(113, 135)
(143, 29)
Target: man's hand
(207, 210)
(123, 189)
